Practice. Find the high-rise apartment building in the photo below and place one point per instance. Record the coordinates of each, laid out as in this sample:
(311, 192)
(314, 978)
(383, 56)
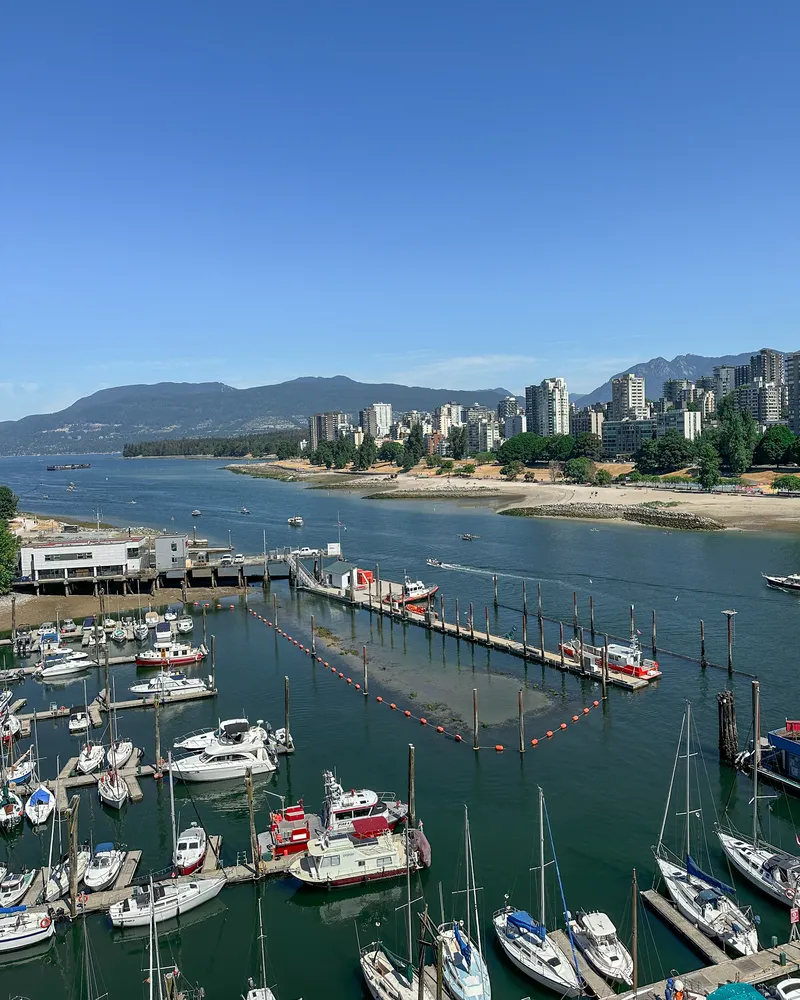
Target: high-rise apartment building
(724, 381)
(446, 416)
(673, 388)
(793, 390)
(768, 365)
(627, 397)
(586, 421)
(377, 420)
(513, 425)
(547, 407)
(325, 427)
(741, 375)
(763, 400)
(482, 434)
(508, 407)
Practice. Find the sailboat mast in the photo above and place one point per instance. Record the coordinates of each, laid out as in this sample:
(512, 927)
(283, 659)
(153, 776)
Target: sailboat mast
(172, 804)
(466, 859)
(474, 898)
(408, 893)
(150, 943)
(635, 941)
(688, 773)
(542, 919)
(36, 745)
(671, 785)
(756, 755)
(261, 942)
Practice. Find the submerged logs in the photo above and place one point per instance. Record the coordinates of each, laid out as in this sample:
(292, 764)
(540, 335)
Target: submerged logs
(728, 735)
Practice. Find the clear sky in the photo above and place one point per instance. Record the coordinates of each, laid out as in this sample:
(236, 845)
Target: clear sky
(453, 194)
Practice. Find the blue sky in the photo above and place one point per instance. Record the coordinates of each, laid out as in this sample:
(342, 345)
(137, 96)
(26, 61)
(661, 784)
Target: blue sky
(450, 194)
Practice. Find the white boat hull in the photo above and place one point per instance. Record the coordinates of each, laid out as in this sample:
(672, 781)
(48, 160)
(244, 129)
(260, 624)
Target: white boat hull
(39, 812)
(96, 879)
(221, 771)
(545, 962)
(89, 761)
(14, 888)
(119, 755)
(749, 861)
(112, 790)
(21, 930)
(384, 982)
(179, 898)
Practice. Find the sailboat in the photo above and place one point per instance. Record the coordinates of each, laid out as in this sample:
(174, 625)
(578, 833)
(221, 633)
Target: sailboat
(42, 802)
(112, 788)
(773, 871)
(387, 976)
(524, 939)
(121, 749)
(10, 802)
(262, 992)
(702, 899)
(464, 971)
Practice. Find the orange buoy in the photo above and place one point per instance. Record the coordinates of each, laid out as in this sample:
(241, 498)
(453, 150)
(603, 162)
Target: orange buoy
(326, 663)
(358, 687)
(586, 711)
(296, 642)
(407, 714)
(196, 604)
(423, 722)
(563, 725)
(549, 733)
(219, 607)
(595, 703)
(534, 743)
(440, 729)
(231, 607)
(393, 706)
(349, 680)
(379, 699)
(499, 747)
(574, 718)
(319, 659)
(457, 738)
(341, 674)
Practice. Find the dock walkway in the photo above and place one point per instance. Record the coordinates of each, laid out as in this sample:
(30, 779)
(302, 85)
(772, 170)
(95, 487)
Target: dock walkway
(669, 914)
(595, 982)
(70, 778)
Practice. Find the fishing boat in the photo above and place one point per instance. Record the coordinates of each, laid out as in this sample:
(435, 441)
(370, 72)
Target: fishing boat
(340, 809)
(174, 654)
(790, 582)
(91, 758)
(289, 831)
(624, 659)
(165, 899)
(772, 870)
(701, 898)
(103, 869)
(232, 730)
(596, 936)
(140, 632)
(151, 618)
(525, 941)
(40, 806)
(14, 888)
(464, 971)
(224, 760)
(170, 682)
(58, 883)
(389, 977)
(369, 854)
(190, 850)
(413, 590)
(434, 562)
(296, 521)
(21, 927)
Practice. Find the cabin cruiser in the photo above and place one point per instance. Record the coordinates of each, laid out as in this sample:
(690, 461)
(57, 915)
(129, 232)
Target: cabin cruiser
(196, 512)
(151, 619)
(340, 809)
(140, 632)
(790, 582)
(296, 521)
(190, 850)
(163, 634)
(232, 730)
(11, 676)
(88, 624)
(170, 682)
(169, 899)
(172, 654)
(104, 867)
(58, 883)
(66, 666)
(13, 888)
(185, 624)
(78, 719)
(528, 946)
(68, 625)
(21, 928)
(173, 612)
(596, 936)
(369, 854)
(223, 760)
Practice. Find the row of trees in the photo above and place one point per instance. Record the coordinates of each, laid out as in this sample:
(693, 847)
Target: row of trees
(530, 448)
(8, 542)
(284, 444)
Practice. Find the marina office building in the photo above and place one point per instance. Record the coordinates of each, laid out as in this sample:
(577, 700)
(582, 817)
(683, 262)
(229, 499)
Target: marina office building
(83, 559)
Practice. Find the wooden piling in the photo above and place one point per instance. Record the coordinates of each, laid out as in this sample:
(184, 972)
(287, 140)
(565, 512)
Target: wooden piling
(591, 616)
(605, 666)
(541, 638)
(728, 735)
(703, 661)
(313, 638)
(255, 854)
(441, 611)
(13, 617)
(475, 744)
(205, 638)
(653, 642)
(471, 624)
(72, 828)
(286, 709)
(366, 675)
(488, 635)
(275, 610)
(524, 636)
(157, 772)
(495, 589)
(213, 663)
(412, 789)
(561, 643)
(458, 622)
(524, 599)
(730, 641)
(521, 724)
(633, 623)
(575, 610)
(583, 668)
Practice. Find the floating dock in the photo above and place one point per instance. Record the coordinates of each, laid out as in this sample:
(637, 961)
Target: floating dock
(147, 701)
(597, 986)
(669, 914)
(70, 779)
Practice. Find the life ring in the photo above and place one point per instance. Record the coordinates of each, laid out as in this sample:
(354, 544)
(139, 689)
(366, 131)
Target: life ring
(44, 923)
(82, 898)
(790, 893)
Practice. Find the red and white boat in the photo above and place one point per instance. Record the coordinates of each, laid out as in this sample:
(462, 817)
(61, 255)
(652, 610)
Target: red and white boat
(621, 659)
(176, 654)
(190, 850)
(289, 831)
(341, 809)
(413, 592)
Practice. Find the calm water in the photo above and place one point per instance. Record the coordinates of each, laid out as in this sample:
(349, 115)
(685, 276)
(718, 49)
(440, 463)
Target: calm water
(605, 779)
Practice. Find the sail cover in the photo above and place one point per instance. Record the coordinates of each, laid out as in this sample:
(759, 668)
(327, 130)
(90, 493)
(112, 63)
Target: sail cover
(692, 869)
(524, 921)
(464, 946)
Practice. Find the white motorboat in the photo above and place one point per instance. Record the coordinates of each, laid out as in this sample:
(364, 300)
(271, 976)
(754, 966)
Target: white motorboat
(234, 730)
(58, 883)
(103, 869)
(109, 624)
(185, 624)
(112, 789)
(11, 810)
(6, 697)
(369, 854)
(13, 888)
(46, 628)
(790, 582)
(296, 521)
(171, 654)
(10, 727)
(22, 928)
(596, 936)
(91, 758)
(224, 760)
(78, 720)
(525, 941)
(340, 808)
(151, 618)
(169, 899)
(701, 898)
(196, 512)
(68, 625)
(118, 635)
(787, 989)
(173, 612)
(464, 969)
(63, 666)
(190, 850)
(119, 753)
(40, 805)
(140, 632)
(170, 682)
(163, 634)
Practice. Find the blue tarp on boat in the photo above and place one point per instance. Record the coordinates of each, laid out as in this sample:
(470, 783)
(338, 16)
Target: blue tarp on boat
(464, 946)
(692, 869)
(40, 797)
(525, 922)
(12, 909)
(104, 848)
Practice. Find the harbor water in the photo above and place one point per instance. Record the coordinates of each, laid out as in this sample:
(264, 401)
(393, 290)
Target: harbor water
(605, 777)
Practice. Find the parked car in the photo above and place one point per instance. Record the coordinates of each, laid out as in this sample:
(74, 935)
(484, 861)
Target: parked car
(238, 559)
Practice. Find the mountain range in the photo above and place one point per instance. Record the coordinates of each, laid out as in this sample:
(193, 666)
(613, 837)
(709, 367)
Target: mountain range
(107, 419)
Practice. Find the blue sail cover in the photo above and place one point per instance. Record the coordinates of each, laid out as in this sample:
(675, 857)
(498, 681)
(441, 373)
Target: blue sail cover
(464, 946)
(524, 921)
(692, 869)
(12, 909)
(40, 796)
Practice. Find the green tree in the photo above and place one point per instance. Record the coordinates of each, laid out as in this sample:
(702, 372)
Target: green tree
(708, 465)
(391, 451)
(432, 461)
(674, 451)
(791, 483)
(774, 445)
(602, 477)
(512, 470)
(588, 446)
(8, 503)
(324, 455)
(647, 458)
(366, 453)
(467, 470)
(558, 448)
(8, 557)
(738, 435)
(457, 439)
(414, 447)
(526, 448)
(344, 451)
(485, 458)
(580, 470)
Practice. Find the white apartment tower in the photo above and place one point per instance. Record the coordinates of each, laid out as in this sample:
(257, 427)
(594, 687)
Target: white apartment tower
(377, 420)
(547, 407)
(446, 416)
(627, 397)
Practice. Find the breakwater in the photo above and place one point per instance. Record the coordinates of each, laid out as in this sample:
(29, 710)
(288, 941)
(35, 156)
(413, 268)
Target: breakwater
(656, 516)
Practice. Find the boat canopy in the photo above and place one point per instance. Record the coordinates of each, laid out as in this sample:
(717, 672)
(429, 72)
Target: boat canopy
(692, 869)
(524, 921)
(782, 862)
(370, 826)
(5, 910)
(78, 710)
(236, 728)
(104, 848)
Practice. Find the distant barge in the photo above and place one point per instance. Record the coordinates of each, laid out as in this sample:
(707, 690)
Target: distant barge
(64, 468)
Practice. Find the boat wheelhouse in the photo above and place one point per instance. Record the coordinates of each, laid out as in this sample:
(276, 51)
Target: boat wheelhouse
(341, 809)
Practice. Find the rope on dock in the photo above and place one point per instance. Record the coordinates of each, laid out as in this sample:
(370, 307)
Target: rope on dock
(407, 713)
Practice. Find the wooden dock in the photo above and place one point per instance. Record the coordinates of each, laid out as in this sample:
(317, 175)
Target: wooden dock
(147, 701)
(593, 980)
(669, 914)
(70, 779)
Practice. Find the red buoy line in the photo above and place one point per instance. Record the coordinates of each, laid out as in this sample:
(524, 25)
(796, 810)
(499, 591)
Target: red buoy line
(455, 737)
